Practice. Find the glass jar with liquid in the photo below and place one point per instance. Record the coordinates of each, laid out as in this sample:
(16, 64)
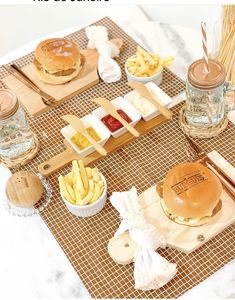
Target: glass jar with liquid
(205, 94)
(16, 137)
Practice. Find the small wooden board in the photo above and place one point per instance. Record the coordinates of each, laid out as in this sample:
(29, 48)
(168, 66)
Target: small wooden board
(59, 161)
(180, 237)
(33, 103)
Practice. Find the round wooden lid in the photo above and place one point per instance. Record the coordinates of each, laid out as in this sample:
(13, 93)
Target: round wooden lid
(8, 104)
(24, 189)
(202, 80)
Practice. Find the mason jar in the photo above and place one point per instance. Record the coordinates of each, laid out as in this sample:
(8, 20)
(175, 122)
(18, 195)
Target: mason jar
(16, 137)
(229, 97)
(205, 94)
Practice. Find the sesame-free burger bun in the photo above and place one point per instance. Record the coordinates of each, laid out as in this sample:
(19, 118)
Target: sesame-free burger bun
(57, 60)
(57, 53)
(191, 194)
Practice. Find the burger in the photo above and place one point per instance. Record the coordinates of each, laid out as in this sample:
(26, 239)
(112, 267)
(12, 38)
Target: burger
(57, 60)
(191, 194)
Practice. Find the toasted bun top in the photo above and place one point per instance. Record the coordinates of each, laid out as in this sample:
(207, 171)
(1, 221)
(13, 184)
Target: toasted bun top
(191, 190)
(57, 54)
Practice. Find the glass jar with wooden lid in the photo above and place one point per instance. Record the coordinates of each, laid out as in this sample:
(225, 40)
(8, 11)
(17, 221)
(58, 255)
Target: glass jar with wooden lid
(16, 137)
(205, 94)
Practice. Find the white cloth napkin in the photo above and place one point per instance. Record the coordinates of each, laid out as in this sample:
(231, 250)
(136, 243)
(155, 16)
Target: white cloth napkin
(108, 68)
(151, 271)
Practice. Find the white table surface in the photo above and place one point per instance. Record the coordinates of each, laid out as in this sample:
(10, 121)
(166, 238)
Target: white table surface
(32, 264)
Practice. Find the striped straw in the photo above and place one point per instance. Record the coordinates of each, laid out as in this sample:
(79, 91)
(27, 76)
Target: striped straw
(204, 45)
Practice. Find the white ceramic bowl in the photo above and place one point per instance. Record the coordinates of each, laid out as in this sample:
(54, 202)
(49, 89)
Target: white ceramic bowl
(156, 78)
(89, 121)
(90, 209)
(119, 103)
(160, 94)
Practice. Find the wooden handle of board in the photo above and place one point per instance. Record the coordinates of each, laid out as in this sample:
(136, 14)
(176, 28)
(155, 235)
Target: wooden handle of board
(57, 162)
(122, 249)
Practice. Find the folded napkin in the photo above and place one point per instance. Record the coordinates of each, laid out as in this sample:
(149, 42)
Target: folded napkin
(151, 271)
(108, 68)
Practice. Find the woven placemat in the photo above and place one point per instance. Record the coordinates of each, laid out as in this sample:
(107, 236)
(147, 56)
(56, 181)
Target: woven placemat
(141, 164)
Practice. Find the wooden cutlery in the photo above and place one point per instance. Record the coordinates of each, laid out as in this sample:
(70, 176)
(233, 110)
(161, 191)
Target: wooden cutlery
(21, 76)
(196, 152)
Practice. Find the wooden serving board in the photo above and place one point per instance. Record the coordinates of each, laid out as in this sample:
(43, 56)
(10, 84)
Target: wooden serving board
(179, 237)
(59, 161)
(33, 103)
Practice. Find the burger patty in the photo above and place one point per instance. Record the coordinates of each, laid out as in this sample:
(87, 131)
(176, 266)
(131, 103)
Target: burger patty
(64, 72)
(188, 221)
(59, 73)
(217, 208)
(37, 64)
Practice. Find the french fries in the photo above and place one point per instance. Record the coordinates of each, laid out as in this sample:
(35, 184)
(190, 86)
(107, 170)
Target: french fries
(83, 175)
(64, 190)
(82, 185)
(146, 64)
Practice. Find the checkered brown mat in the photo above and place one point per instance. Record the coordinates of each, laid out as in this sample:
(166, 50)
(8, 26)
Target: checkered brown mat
(141, 163)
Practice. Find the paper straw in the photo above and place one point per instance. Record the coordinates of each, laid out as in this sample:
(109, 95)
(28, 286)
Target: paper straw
(204, 45)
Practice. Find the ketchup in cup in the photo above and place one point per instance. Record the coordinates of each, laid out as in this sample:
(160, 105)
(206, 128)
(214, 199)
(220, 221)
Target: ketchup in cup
(113, 124)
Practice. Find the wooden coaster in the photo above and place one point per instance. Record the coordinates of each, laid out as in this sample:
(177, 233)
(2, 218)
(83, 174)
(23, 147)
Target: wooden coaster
(23, 159)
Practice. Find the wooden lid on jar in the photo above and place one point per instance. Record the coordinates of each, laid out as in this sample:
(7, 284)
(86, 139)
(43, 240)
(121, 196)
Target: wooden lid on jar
(8, 104)
(200, 79)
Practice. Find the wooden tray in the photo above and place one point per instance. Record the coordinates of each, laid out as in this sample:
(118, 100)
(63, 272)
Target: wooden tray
(62, 159)
(180, 237)
(33, 103)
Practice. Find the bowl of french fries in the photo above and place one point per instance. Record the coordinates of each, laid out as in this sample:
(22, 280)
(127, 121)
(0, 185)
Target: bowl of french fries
(146, 66)
(83, 190)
